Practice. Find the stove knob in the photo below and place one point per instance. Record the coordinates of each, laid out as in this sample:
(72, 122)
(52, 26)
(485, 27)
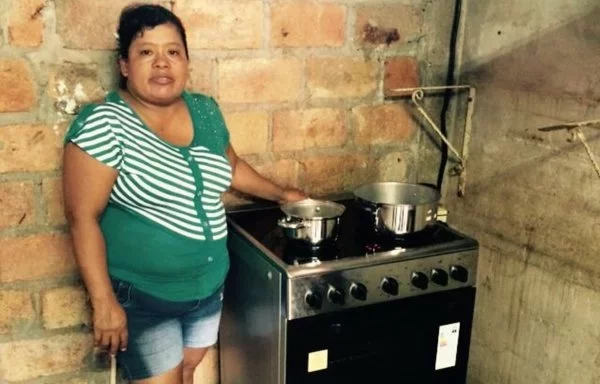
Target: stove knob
(389, 285)
(313, 299)
(335, 295)
(439, 276)
(419, 280)
(459, 273)
(358, 291)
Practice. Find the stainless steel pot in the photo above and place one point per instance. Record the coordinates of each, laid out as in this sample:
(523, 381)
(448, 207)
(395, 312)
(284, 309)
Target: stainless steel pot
(398, 208)
(311, 221)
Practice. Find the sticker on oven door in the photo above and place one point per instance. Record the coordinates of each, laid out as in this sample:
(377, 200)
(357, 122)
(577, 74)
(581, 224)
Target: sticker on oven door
(447, 346)
(317, 360)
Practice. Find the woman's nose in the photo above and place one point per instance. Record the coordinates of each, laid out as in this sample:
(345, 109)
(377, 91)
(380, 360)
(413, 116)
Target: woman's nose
(160, 61)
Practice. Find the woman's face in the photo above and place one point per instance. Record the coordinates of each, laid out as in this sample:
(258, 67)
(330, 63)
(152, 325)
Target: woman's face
(157, 67)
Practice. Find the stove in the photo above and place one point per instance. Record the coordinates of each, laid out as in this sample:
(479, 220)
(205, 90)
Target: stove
(349, 310)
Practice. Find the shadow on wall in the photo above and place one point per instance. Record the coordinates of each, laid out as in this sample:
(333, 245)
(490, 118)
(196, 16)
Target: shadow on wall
(550, 79)
(521, 178)
(564, 60)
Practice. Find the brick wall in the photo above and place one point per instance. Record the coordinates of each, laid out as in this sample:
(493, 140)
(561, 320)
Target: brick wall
(302, 86)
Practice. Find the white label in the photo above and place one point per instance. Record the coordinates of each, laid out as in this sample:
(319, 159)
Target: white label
(447, 346)
(317, 360)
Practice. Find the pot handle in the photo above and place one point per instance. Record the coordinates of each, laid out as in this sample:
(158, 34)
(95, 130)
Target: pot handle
(289, 223)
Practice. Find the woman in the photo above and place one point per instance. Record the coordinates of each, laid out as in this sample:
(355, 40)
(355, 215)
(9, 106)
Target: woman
(143, 177)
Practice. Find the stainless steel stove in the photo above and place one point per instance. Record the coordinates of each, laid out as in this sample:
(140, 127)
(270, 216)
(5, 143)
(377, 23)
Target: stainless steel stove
(363, 307)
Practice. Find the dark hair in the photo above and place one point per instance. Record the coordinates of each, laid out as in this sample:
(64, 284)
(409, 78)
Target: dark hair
(137, 18)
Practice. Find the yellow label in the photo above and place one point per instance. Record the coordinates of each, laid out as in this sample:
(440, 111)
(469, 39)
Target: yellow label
(317, 360)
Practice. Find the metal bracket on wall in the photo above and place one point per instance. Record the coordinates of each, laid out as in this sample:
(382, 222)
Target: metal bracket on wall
(576, 132)
(417, 94)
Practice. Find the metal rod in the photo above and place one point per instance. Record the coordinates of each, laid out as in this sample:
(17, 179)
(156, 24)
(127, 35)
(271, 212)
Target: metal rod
(405, 91)
(462, 177)
(581, 137)
(570, 125)
(418, 95)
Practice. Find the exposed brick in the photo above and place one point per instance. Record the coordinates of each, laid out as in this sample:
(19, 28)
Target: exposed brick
(305, 24)
(29, 148)
(26, 23)
(30, 359)
(65, 307)
(229, 24)
(341, 77)
(401, 72)
(260, 80)
(284, 172)
(18, 88)
(16, 310)
(53, 198)
(71, 85)
(314, 128)
(201, 76)
(78, 381)
(249, 131)
(17, 202)
(325, 174)
(34, 257)
(93, 30)
(382, 124)
(377, 24)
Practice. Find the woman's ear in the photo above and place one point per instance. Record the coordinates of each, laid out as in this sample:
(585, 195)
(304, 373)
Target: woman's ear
(123, 66)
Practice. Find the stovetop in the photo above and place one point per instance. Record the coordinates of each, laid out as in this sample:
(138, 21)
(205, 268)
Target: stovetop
(355, 239)
(360, 268)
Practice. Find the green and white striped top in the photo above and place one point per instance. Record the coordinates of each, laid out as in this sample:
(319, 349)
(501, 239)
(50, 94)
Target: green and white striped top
(165, 227)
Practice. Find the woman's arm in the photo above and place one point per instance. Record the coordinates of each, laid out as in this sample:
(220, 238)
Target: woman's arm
(87, 185)
(247, 180)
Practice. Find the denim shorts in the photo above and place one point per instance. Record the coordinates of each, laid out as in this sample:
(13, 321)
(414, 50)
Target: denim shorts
(159, 330)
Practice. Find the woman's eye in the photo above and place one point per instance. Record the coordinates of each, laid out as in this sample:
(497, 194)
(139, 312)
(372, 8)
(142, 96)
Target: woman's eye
(174, 52)
(145, 52)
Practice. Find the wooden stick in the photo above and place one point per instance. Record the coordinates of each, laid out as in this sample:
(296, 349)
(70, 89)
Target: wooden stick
(113, 370)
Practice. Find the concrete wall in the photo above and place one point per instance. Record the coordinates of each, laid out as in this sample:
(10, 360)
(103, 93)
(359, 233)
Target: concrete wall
(533, 197)
(302, 86)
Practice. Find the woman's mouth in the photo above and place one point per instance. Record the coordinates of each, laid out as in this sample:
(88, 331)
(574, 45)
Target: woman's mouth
(162, 80)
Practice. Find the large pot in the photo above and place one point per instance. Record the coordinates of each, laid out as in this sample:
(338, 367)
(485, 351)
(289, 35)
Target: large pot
(398, 208)
(312, 222)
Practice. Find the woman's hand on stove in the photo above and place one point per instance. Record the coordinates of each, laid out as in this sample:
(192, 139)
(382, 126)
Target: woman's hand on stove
(291, 195)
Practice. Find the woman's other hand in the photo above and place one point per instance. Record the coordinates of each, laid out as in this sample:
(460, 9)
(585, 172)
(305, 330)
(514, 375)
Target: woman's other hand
(110, 326)
(291, 195)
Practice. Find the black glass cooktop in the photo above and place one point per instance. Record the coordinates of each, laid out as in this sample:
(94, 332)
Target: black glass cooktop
(356, 236)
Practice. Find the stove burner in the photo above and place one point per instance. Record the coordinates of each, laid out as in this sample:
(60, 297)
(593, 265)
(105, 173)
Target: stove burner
(373, 242)
(297, 252)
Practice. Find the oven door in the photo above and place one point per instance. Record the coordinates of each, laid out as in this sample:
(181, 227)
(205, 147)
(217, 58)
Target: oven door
(418, 340)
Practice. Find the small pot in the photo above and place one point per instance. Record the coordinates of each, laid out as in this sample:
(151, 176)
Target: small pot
(398, 208)
(311, 221)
